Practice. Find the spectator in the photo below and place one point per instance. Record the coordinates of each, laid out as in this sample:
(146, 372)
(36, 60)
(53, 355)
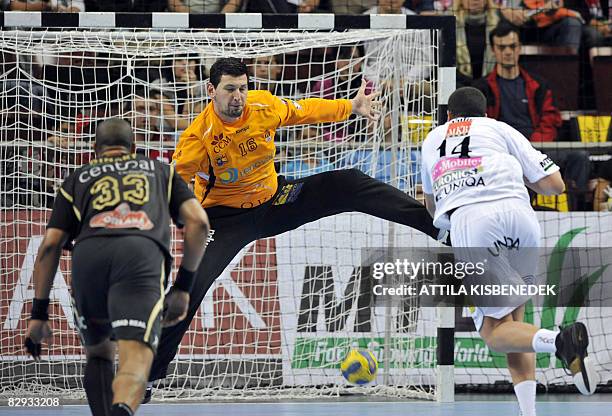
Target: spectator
(347, 75)
(598, 28)
(266, 75)
(526, 103)
(475, 21)
(62, 154)
(180, 94)
(514, 96)
(71, 6)
(145, 118)
(545, 21)
(345, 82)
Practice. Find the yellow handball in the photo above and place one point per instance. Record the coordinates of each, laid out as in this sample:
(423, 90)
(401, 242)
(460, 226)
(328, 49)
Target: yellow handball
(359, 367)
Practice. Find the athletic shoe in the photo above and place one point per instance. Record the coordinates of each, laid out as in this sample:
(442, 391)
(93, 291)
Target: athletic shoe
(572, 343)
(148, 393)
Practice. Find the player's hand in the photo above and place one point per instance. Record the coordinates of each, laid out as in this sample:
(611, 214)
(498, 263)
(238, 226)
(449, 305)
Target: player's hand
(37, 332)
(175, 307)
(366, 105)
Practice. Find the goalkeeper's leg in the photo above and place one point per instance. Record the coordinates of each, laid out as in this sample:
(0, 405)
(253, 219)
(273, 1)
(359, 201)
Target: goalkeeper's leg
(309, 199)
(233, 230)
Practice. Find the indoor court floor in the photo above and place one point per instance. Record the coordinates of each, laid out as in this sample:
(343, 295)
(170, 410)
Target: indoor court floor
(466, 405)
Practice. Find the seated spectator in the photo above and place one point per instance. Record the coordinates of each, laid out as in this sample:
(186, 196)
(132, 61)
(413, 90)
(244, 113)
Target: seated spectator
(526, 103)
(514, 96)
(63, 153)
(266, 75)
(343, 83)
(475, 21)
(145, 119)
(545, 21)
(180, 94)
(71, 6)
(598, 28)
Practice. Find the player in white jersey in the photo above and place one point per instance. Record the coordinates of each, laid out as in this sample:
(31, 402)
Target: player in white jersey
(474, 172)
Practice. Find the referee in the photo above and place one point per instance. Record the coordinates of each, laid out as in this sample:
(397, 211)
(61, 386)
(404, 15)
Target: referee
(117, 209)
(229, 152)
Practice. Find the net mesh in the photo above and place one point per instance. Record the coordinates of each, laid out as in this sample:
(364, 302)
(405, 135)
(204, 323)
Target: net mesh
(284, 313)
(287, 309)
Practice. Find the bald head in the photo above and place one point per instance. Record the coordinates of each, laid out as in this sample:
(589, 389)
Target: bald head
(114, 132)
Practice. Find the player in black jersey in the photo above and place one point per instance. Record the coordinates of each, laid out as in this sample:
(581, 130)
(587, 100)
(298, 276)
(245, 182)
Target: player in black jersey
(117, 209)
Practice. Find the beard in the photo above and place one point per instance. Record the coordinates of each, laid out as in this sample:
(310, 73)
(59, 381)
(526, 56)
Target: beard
(234, 112)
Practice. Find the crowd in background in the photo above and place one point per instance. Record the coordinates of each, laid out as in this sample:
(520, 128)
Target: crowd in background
(170, 93)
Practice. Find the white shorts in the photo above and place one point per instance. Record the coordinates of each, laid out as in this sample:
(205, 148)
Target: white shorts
(508, 226)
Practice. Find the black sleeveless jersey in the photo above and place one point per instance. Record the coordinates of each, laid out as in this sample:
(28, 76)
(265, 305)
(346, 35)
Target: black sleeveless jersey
(117, 196)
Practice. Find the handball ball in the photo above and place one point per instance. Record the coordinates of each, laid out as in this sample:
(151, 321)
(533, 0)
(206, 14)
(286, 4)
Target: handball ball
(359, 367)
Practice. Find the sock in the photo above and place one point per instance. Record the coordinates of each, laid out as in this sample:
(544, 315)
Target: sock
(98, 384)
(121, 409)
(544, 341)
(526, 394)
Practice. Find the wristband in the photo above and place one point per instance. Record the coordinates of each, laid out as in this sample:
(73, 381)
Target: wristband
(39, 309)
(184, 280)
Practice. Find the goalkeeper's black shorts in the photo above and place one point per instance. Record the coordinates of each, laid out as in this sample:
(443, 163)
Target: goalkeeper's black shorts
(117, 289)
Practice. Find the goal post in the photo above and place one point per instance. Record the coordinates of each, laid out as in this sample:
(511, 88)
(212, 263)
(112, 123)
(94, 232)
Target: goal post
(282, 315)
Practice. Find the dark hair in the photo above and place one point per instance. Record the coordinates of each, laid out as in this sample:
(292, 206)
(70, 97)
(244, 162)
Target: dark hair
(227, 66)
(501, 30)
(114, 132)
(467, 102)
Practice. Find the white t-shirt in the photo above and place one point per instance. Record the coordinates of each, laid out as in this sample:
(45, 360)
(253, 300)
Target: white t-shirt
(478, 159)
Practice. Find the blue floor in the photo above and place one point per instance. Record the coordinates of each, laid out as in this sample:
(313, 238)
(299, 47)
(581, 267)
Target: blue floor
(462, 408)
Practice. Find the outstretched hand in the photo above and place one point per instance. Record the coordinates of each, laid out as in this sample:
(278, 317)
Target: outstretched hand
(366, 105)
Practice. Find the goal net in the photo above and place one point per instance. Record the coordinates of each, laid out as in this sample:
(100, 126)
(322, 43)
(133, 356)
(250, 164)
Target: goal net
(287, 309)
(278, 321)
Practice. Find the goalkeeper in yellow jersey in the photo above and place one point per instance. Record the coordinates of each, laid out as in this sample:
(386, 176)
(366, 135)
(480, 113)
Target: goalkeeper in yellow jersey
(229, 151)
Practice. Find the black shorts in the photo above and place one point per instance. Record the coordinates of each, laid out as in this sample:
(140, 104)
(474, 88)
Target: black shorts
(118, 289)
